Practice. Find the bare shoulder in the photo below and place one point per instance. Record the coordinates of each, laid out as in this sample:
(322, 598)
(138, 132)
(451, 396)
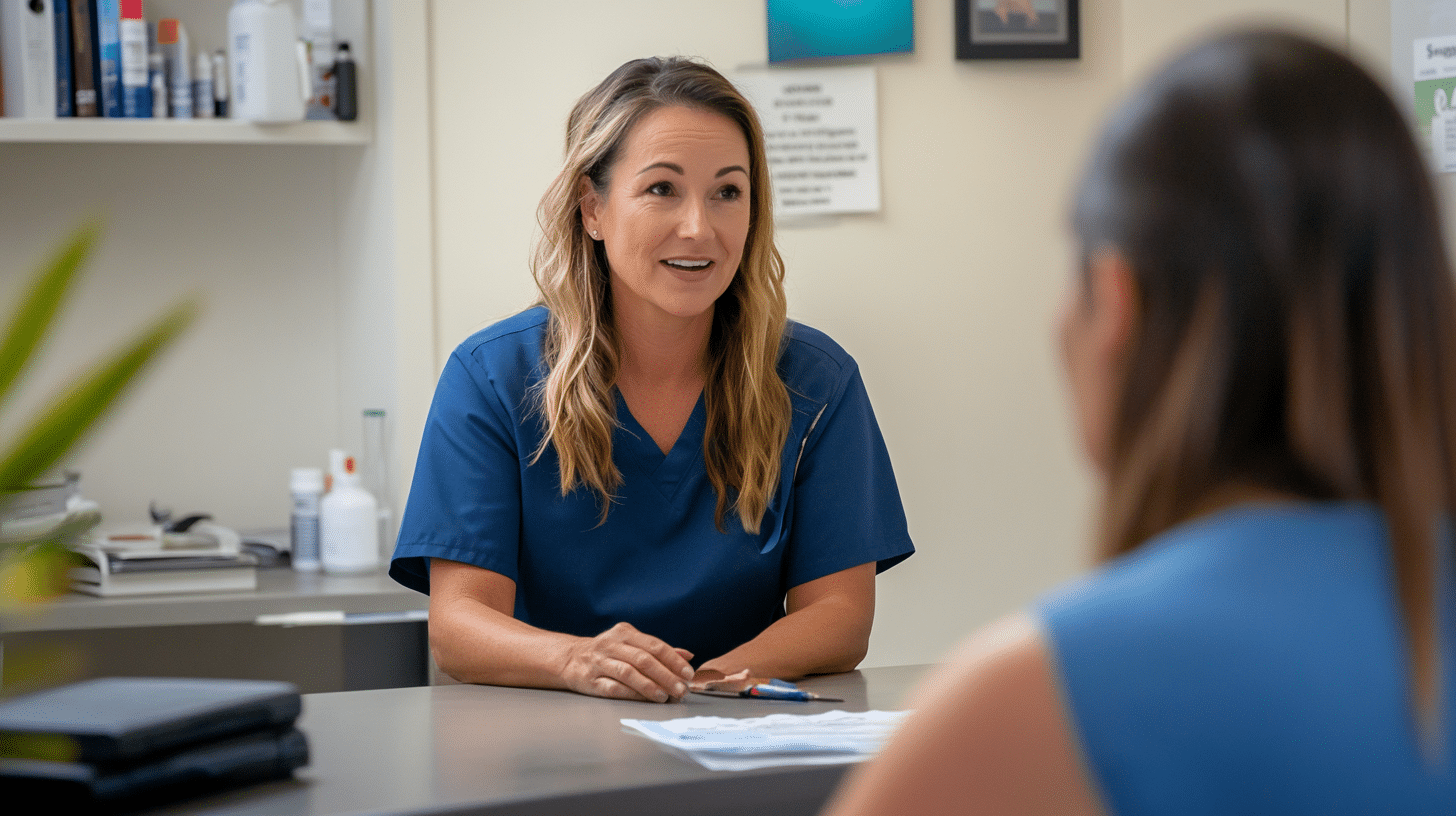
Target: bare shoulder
(989, 735)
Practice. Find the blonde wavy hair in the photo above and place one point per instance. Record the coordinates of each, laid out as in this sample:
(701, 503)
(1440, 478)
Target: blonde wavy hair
(748, 409)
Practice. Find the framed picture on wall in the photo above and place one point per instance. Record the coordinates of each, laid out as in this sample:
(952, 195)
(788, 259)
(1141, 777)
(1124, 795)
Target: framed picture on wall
(1017, 29)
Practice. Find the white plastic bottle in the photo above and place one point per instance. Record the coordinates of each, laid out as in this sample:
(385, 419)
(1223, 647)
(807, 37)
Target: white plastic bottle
(269, 69)
(348, 521)
(307, 487)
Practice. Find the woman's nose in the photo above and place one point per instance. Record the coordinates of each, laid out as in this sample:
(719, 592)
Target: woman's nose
(694, 221)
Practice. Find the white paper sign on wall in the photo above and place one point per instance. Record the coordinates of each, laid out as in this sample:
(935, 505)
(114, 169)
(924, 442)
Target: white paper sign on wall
(821, 126)
(1434, 70)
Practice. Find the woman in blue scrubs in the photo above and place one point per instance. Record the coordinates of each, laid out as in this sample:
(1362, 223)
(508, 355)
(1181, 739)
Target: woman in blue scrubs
(652, 472)
(1261, 349)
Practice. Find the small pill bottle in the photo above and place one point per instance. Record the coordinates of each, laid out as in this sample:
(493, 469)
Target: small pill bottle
(307, 487)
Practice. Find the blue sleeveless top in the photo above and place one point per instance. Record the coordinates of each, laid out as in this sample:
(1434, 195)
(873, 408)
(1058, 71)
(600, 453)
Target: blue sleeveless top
(1249, 662)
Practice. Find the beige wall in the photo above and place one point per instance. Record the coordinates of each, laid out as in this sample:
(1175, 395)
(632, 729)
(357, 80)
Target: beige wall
(946, 297)
(255, 383)
(1152, 30)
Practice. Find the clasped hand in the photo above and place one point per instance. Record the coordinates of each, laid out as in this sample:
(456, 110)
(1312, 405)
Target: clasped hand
(625, 664)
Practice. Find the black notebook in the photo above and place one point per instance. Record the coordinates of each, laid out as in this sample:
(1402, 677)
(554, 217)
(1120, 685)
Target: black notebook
(167, 777)
(126, 719)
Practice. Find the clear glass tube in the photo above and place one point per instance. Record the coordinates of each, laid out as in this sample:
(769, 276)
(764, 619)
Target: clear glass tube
(374, 471)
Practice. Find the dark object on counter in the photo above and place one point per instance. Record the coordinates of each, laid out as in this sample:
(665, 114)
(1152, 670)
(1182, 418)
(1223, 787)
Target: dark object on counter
(172, 777)
(162, 517)
(268, 553)
(346, 85)
(128, 742)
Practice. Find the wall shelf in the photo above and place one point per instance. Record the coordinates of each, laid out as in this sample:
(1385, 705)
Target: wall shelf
(182, 131)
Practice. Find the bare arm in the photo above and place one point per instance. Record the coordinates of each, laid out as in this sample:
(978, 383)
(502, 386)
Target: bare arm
(827, 629)
(989, 736)
(475, 638)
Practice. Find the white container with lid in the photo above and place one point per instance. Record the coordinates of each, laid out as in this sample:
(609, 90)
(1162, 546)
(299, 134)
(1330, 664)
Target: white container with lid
(348, 521)
(268, 63)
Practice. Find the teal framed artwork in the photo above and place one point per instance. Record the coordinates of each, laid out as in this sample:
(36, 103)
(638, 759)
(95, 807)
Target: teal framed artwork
(820, 29)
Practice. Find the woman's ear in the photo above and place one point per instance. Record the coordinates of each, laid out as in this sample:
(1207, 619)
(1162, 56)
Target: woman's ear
(590, 206)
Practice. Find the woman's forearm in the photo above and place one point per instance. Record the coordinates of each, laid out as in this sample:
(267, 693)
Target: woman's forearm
(474, 643)
(827, 630)
(475, 639)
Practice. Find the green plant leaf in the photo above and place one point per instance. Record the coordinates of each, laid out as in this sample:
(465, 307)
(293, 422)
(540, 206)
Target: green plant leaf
(37, 309)
(35, 573)
(52, 747)
(68, 418)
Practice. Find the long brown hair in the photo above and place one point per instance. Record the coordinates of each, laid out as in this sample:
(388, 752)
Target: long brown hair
(1297, 319)
(747, 404)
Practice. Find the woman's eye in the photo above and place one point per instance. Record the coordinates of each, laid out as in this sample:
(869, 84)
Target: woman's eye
(731, 192)
(661, 188)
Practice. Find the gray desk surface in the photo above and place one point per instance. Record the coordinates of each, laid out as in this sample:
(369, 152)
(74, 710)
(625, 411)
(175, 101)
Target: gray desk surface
(489, 750)
(279, 591)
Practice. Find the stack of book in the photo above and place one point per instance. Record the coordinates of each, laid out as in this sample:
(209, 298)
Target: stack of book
(70, 58)
(111, 572)
(127, 743)
(75, 58)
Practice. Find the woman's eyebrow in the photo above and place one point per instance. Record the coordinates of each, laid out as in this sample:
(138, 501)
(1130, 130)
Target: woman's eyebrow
(678, 169)
(669, 165)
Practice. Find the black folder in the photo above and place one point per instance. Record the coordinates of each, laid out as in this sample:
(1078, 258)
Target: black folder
(161, 779)
(122, 743)
(124, 719)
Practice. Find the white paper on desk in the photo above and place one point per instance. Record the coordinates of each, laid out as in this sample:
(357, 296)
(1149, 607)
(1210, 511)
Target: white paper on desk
(728, 743)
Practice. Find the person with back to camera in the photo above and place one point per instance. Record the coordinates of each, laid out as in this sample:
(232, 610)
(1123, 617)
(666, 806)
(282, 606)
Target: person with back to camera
(652, 469)
(1261, 352)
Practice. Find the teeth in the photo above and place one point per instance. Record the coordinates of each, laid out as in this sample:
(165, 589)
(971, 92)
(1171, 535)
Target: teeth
(688, 264)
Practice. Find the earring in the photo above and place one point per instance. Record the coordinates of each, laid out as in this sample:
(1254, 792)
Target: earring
(594, 235)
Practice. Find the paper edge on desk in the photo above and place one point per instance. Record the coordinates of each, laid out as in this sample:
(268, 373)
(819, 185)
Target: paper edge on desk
(722, 762)
(725, 755)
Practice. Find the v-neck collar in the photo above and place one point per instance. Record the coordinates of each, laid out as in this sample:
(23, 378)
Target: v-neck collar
(667, 470)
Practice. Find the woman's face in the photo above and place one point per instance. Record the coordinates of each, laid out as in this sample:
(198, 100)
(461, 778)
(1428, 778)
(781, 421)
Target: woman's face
(674, 216)
(1095, 331)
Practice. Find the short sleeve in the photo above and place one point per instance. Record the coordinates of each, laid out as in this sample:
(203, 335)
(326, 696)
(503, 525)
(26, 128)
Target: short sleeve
(846, 508)
(465, 501)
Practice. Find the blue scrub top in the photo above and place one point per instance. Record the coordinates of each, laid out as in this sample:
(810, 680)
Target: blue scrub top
(659, 562)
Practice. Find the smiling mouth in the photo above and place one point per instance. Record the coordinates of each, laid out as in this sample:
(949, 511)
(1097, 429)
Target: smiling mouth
(687, 266)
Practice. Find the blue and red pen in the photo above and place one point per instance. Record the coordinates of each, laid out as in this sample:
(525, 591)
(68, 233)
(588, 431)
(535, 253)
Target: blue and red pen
(771, 690)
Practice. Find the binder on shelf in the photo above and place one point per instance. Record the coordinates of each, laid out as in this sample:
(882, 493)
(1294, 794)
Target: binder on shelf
(83, 58)
(108, 55)
(28, 50)
(136, 87)
(65, 94)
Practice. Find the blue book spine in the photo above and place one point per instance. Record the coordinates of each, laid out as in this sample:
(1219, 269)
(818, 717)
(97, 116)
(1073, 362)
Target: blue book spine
(108, 52)
(65, 95)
